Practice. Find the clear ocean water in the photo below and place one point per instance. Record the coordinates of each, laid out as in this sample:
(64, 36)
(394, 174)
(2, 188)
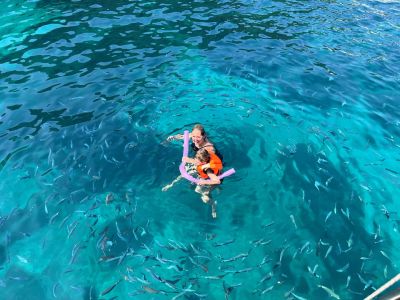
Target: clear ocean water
(301, 97)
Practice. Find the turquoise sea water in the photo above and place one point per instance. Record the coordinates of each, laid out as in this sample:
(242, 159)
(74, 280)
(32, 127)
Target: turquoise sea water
(302, 98)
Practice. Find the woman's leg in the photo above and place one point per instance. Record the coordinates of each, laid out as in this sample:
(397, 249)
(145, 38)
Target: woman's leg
(168, 186)
(213, 208)
(190, 171)
(205, 192)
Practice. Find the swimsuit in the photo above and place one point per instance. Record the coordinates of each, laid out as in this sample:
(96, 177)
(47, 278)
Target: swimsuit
(195, 149)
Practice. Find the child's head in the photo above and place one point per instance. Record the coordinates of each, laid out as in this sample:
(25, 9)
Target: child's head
(203, 156)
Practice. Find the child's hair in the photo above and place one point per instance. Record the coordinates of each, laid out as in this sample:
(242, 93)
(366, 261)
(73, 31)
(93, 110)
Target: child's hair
(203, 156)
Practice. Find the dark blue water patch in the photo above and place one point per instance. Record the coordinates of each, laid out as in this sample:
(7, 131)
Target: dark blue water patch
(9, 155)
(27, 284)
(21, 223)
(340, 229)
(14, 107)
(386, 122)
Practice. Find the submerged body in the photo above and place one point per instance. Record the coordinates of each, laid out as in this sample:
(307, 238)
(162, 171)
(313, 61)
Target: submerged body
(206, 163)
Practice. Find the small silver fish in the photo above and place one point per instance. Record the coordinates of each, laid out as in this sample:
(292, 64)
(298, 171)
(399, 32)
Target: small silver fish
(295, 254)
(348, 281)
(293, 221)
(22, 259)
(328, 251)
(323, 243)
(350, 240)
(225, 243)
(343, 269)
(268, 289)
(266, 277)
(346, 213)
(327, 216)
(49, 156)
(297, 296)
(109, 289)
(368, 189)
(53, 217)
(368, 284)
(119, 234)
(385, 255)
(313, 271)
(239, 256)
(330, 292)
(109, 198)
(361, 279)
(339, 247)
(304, 246)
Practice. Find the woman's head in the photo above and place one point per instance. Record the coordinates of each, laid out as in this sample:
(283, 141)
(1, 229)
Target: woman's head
(198, 134)
(203, 156)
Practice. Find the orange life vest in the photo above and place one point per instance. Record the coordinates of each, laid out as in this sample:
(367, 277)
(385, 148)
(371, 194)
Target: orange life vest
(215, 165)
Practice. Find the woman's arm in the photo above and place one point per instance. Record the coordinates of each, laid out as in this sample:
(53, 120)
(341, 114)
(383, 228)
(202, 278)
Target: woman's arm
(177, 137)
(206, 166)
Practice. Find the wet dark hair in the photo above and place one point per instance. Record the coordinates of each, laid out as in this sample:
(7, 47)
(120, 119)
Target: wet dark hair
(203, 156)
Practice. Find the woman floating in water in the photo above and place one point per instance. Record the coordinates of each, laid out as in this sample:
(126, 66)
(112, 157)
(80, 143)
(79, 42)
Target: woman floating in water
(207, 164)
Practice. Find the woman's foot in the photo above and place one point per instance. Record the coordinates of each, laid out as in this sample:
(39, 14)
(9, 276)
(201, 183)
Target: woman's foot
(166, 188)
(214, 211)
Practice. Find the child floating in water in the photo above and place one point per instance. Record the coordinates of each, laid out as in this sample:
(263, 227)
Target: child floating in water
(208, 166)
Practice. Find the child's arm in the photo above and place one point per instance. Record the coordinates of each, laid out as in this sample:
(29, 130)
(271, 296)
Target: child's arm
(206, 166)
(212, 181)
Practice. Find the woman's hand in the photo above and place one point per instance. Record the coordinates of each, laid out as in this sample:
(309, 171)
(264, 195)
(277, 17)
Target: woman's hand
(189, 160)
(175, 137)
